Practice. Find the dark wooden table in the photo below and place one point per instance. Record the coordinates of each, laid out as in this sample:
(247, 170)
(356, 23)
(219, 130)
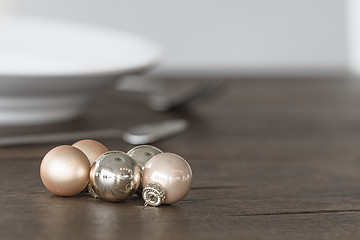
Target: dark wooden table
(271, 158)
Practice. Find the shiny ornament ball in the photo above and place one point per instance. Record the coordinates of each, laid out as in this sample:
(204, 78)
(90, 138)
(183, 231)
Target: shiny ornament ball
(115, 176)
(142, 154)
(65, 170)
(167, 178)
(91, 148)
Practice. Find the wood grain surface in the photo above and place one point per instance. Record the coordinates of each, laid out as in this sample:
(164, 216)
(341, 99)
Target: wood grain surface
(271, 159)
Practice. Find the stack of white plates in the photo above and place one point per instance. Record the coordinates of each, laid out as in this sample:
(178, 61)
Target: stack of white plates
(49, 69)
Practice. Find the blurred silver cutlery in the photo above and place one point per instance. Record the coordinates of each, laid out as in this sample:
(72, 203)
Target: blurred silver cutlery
(167, 95)
(140, 134)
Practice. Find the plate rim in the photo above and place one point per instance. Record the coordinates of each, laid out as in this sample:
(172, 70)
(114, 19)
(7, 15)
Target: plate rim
(153, 56)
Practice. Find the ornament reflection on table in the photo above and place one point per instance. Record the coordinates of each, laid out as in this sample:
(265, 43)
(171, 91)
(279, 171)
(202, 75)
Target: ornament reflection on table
(115, 176)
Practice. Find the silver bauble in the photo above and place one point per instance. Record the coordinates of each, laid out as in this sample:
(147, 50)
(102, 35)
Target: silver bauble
(115, 176)
(142, 154)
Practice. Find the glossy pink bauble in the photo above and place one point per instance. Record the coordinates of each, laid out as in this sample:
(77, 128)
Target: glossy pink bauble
(172, 173)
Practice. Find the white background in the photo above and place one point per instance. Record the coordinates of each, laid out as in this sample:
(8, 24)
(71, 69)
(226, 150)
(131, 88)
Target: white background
(233, 35)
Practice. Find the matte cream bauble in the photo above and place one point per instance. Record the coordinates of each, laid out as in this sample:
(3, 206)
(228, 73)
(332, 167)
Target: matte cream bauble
(91, 148)
(65, 170)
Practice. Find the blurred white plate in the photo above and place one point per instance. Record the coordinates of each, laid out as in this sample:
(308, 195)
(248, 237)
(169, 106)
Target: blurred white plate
(49, 68)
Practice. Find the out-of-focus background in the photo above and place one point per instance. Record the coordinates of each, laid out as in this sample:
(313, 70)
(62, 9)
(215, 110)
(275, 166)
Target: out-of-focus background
(232, 36)
(202, 41)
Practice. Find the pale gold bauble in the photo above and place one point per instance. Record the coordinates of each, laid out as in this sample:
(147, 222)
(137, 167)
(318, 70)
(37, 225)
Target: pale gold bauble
(65, 170)
(92, 149)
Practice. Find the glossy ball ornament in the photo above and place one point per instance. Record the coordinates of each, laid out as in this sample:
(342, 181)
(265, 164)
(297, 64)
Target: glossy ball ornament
(166, 179)
(91, 148)
(65, 170)
(115, 176)
(142, 154)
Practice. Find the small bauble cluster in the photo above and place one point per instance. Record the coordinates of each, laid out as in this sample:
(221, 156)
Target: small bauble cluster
(87, 165)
